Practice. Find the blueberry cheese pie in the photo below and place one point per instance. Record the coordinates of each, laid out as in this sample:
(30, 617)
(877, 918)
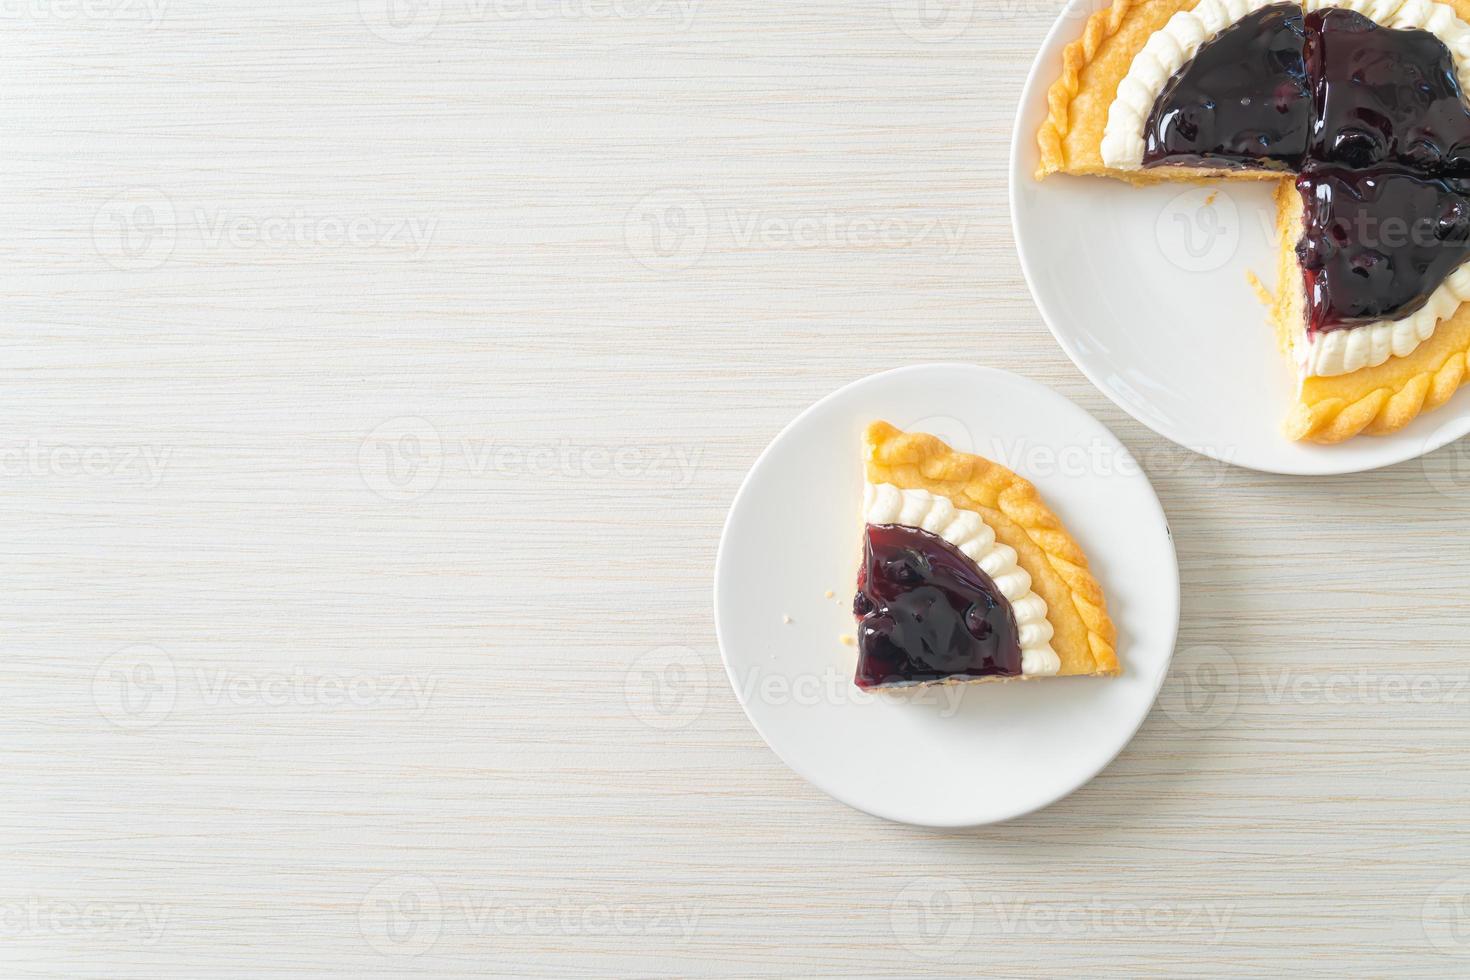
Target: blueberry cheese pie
(966, 576)
(1357, 109)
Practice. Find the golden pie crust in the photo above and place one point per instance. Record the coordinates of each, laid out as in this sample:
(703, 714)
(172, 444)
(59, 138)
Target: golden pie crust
(1373, 400)
(1084, 637)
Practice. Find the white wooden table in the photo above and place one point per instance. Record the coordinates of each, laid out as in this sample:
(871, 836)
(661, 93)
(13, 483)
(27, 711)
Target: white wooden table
(373, 389)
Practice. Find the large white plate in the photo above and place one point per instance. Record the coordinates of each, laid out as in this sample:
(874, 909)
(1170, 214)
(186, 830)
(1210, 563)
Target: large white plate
(1146, 291)
(959, 756)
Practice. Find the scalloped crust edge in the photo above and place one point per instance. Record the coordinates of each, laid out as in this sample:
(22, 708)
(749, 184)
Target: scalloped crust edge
(1382, 401)
(1100, 26)
(1015, 497)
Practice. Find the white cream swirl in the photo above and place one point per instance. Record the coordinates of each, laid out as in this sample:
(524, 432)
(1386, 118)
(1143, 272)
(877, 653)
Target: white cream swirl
(1167, 50)
(884, 503)
(1345, 351)
(1439, 19)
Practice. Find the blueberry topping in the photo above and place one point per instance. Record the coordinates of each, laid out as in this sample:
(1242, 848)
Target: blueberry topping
(926, 611)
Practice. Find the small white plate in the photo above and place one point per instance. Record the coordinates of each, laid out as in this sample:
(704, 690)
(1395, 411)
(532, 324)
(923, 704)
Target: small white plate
(953, 756)
(1145, 289)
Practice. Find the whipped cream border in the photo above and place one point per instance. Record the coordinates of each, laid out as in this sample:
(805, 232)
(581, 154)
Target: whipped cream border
(884, 503)
(1166, 51)
(1369, 345)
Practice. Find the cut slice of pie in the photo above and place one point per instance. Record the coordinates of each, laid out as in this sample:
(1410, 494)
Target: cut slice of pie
(1178, 89)
(1358, 109)
(966, 575)
(1370, 305)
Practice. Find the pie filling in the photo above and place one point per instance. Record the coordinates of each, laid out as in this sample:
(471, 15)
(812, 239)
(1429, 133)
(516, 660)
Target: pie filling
(927, 612)
(1243, 101)
(1377, 243)
(939, 597)
(1383, 95)
(1373, 121)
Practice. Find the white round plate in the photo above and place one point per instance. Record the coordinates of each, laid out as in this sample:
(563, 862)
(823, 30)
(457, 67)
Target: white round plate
(1145, 288)
(951, 756)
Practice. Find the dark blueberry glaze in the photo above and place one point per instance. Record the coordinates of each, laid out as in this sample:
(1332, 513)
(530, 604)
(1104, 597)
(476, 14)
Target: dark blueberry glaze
(926, 612)
(1377, 243)
(1375, 124)
(1244, 100)
(1383, 95)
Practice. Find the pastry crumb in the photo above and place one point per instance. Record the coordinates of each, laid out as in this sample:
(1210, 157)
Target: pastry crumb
(829, 594)
(1211, 198)
(848, 640)
(1259, 288)
(785, 619)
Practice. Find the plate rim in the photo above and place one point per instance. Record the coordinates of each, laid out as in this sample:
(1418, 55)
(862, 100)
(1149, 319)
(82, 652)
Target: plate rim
(1325, 464)
(1174, 612)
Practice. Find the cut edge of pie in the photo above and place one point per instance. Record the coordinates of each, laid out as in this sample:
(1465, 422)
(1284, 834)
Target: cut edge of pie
(1374, 400)
(1083, 636)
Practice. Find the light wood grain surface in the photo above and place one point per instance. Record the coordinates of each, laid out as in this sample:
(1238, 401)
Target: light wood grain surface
(374, 383)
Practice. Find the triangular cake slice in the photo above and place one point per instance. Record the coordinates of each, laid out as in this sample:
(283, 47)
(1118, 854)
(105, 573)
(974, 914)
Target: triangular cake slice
(1374, 275)
(966, 575)
(1179, 89)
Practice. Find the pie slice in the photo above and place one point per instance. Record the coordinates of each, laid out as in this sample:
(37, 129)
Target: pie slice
(1179, 89)
(966, 575)
(1358, 109)
(1371, 303)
